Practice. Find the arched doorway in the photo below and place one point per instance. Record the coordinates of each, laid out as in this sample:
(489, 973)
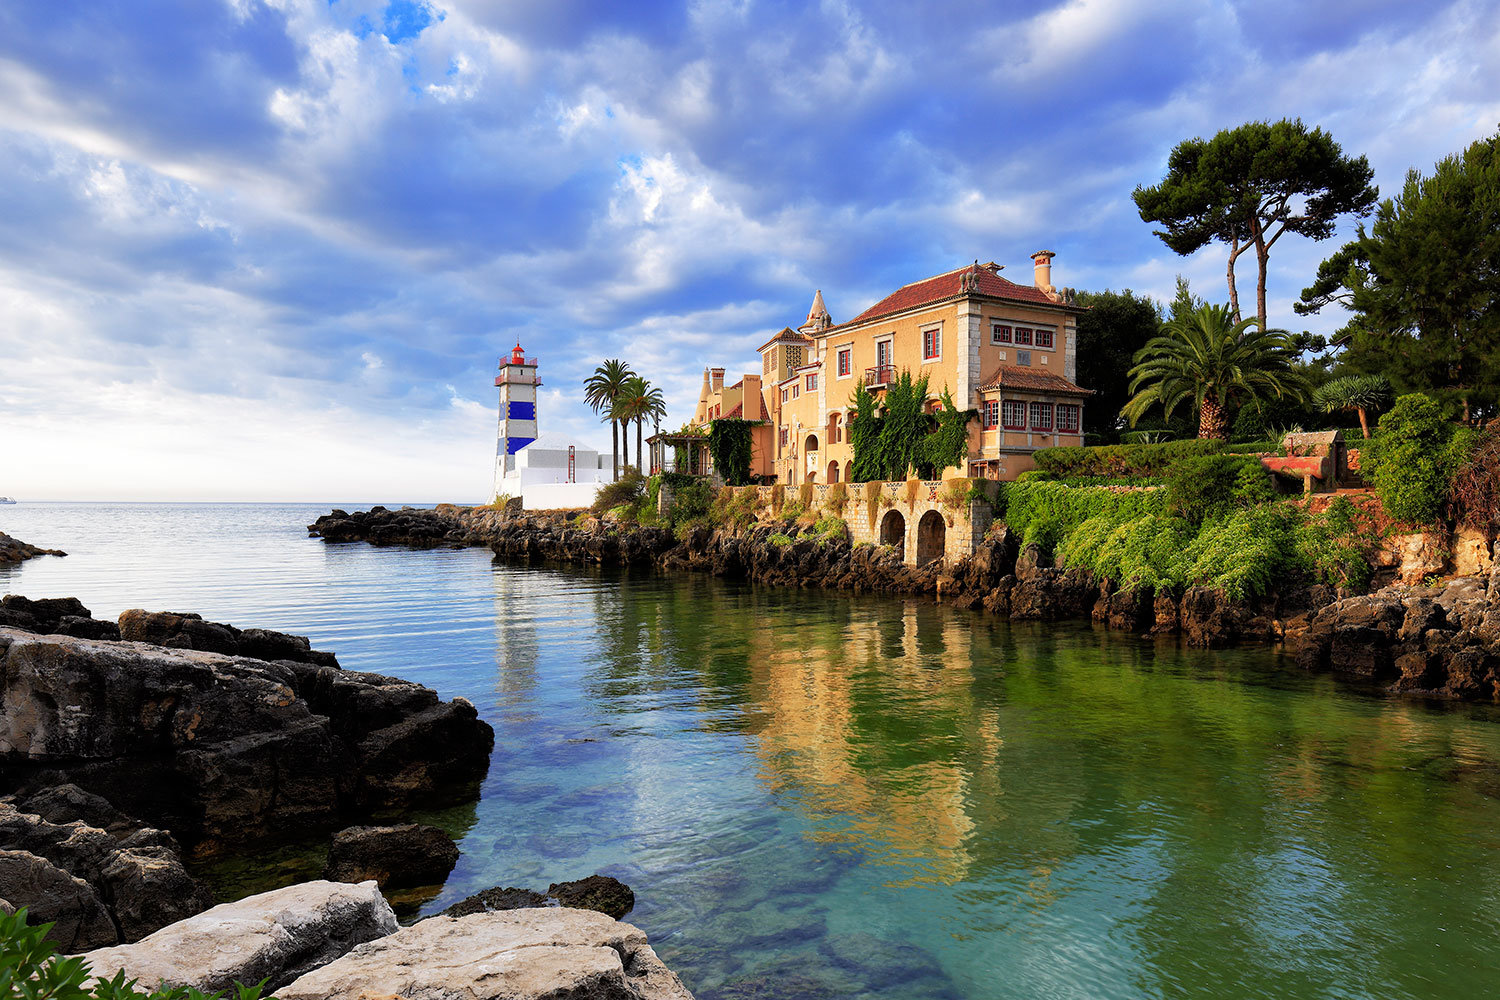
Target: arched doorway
(810, 445)
(833, 472)
(932, 537)
(849, 471)
(893, 531)
(835, 428)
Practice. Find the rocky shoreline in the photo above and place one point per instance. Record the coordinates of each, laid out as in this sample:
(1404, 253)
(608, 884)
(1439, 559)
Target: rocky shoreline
(13, 550)
(1441, 641)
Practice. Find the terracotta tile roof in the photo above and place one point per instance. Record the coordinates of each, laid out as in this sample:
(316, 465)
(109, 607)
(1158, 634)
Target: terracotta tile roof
(789, 335)
(1031, 380)
(946, 286)
(738, 411)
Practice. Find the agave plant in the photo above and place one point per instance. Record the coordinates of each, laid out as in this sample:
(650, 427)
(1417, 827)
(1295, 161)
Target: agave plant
(1208, 358)
(1360, 393)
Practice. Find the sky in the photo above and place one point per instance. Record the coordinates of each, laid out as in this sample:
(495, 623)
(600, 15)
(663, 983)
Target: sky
(272, 249)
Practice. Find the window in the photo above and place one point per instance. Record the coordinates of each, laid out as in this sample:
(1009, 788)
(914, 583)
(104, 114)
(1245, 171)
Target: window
(1000, 334)
(932, 344)
(793, 357)
(1023, 334)
(812, 383)
(1068, 415)
(796, 391)
(1023, 358)
(783, 437)
(1044, 338)
(883, 353)
(1013, 414)
(1041, 416)
(785, 395)
(991, 412)
(846, 361)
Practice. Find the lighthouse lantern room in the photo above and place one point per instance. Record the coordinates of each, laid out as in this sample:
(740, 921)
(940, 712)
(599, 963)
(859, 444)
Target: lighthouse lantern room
(518, 383)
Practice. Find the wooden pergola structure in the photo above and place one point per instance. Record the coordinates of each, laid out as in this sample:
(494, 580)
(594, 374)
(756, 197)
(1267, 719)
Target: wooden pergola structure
(680, 453)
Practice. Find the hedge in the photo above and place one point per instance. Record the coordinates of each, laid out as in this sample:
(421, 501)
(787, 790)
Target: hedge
(1123, 459)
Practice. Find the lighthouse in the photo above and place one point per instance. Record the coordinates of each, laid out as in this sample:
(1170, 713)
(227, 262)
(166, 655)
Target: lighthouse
(517, 382)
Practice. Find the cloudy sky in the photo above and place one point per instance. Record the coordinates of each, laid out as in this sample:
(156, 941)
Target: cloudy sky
(271, 249)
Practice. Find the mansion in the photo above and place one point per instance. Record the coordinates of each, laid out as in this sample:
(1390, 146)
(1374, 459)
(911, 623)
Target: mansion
(1008, 351)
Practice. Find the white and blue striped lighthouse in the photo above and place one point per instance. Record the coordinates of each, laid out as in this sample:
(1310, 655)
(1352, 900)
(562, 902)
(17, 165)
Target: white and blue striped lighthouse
(517, 382)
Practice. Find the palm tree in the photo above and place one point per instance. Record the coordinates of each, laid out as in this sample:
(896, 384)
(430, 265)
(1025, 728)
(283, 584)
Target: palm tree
(1361, 393)
(1209, 358)
(638, 401)
(600, 391)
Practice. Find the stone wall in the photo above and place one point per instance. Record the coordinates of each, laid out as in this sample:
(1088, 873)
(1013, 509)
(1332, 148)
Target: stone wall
(897, 513)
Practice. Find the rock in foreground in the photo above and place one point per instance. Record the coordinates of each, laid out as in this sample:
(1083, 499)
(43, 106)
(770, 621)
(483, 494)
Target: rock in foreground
(276, 935)
(553, 953)
(13, 550)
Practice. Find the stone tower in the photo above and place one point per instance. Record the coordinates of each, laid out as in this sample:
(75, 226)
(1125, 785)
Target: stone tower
(517, 382)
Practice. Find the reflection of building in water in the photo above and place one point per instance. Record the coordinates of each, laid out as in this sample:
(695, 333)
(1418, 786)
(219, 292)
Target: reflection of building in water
(885, 768)
(515, 635)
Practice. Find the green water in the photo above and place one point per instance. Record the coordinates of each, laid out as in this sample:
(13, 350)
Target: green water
(816, 795)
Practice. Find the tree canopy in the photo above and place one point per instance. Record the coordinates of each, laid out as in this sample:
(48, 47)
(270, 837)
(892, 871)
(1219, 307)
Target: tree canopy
(1116, 325)
(1424, 284)
(1249, 186)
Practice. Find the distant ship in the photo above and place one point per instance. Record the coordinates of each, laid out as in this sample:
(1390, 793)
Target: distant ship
(6, 500)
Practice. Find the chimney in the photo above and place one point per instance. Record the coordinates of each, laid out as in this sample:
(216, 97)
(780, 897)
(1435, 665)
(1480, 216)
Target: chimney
(717, 377)
(1042, 261)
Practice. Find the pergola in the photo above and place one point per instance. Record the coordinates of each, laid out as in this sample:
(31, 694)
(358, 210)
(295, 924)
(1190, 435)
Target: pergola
(693, 448)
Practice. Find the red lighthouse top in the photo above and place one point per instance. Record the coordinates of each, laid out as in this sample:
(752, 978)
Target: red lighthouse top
(518, 356)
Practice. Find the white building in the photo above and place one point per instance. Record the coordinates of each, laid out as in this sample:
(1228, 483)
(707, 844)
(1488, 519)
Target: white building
(546, 471)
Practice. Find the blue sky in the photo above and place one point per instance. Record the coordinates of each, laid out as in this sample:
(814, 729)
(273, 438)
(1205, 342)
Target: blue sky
(271, 249)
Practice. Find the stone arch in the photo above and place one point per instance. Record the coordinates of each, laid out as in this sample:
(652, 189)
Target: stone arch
(932, 537)
(810, 445)
(835, 427)
(849, 471)
(833, 472)
(893, 530)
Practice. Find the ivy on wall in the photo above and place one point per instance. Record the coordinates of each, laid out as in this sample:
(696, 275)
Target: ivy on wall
(864, 437)
(729, 444)
(904, 439)
(948, 445)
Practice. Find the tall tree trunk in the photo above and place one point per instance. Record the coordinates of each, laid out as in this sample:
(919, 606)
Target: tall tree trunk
(640, 456)
(1364, 422)
(1234, 292)
(1262, 258)
(1211, 419)
(614, 437)
(625, 445)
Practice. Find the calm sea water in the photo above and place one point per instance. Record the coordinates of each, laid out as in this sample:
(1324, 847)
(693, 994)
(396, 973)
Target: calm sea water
(821, 796)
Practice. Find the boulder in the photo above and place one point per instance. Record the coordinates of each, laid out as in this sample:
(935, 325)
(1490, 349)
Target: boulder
(13, 550)
(496, 899)
(181, 630)
(51, 895)
(136, 871)
(601, 893)
(552, 953)
(396, 857)
(278, 935)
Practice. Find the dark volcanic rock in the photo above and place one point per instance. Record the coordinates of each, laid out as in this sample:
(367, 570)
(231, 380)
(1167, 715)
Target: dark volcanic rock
(51, 895)
(597, 892)
(397, 857)
(496, 899)
(222, 749)
(190, 631)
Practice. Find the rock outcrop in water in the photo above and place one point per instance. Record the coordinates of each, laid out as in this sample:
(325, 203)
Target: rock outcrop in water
(395, 857)
(13, 550)
(1393, 637)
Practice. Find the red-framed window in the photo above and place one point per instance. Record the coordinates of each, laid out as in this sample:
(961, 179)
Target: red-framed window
(783, 437)
(932, 344)
(1043, 338)
(991, 412)
(1069, 415)
(846, 361)
(1041, 416)
(796, 390)
(1013, 414)
(786, 394)
(812, 383)
(1000, 334)
(1023, 335)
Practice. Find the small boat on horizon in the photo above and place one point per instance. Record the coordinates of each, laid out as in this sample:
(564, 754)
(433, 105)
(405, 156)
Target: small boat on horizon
(7, 500)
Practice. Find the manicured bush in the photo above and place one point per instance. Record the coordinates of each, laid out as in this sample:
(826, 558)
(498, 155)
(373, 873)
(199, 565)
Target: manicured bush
(1122, 459)
(1409, 461)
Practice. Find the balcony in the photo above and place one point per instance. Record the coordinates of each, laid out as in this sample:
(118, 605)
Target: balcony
(880, 375)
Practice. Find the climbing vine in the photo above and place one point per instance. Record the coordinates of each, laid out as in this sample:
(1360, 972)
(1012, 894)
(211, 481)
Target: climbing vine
(729, 444)
(903, 436)
(864, 437)
(949, 444)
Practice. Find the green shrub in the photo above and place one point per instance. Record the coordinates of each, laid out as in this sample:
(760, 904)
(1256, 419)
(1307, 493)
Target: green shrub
(31, 969)
(831, 529)
(1145, 551)
(1122, 459)
(691, 502)
(780, 540)
(626, 491)
(1046, 512)
(1335, 548)
(1475, 487)
(1408, 462)
(1208, 486)
(1246, 553)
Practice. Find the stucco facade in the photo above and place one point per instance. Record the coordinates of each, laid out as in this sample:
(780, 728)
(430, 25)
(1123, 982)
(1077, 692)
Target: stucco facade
(1006, 350)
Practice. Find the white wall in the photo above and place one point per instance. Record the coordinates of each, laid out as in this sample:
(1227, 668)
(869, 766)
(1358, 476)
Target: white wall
(550, 496)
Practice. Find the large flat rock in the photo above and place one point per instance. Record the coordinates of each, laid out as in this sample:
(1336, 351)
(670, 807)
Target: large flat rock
(277, 935)
(554, 953)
